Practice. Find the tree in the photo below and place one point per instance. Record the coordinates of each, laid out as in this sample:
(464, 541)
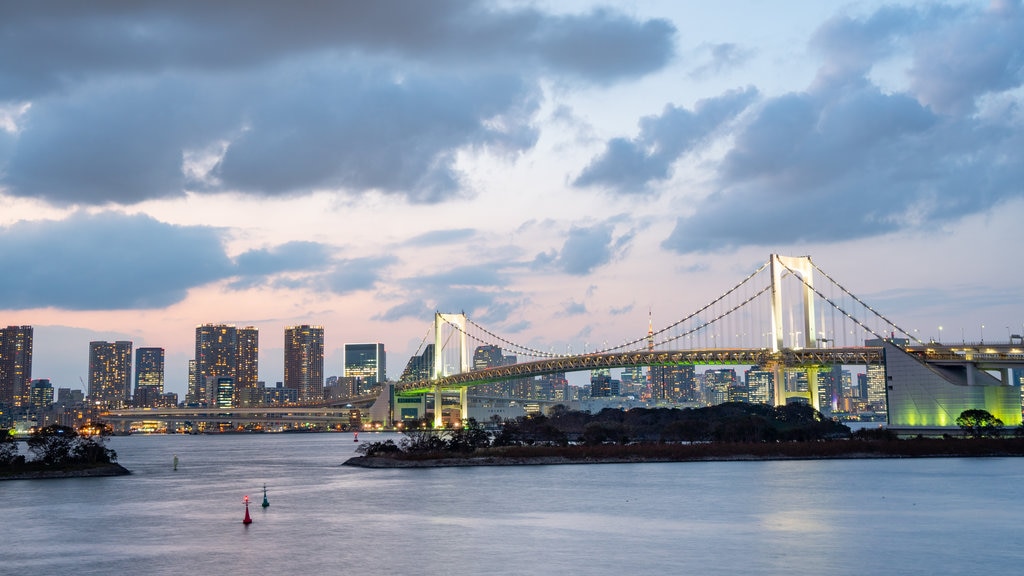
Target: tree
(8, 448)
(51, 446)
(977, 423)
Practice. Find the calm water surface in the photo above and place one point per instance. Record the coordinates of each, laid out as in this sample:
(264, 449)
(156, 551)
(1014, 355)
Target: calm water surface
(909, 516)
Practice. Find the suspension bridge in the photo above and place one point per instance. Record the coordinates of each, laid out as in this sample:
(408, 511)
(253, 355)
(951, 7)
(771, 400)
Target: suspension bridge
(787, 315)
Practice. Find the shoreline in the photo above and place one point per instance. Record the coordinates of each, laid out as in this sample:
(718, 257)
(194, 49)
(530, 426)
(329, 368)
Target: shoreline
(709, 452)
(99, 471)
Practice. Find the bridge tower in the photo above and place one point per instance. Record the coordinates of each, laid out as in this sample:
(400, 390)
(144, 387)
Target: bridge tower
(800, 265)
(440, 370)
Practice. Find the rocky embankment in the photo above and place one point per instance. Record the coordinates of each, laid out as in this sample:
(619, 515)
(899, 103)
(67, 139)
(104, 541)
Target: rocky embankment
(701, 452)
(34, 473)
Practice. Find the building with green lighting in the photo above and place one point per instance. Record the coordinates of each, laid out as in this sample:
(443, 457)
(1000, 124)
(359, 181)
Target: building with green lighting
(925, 397)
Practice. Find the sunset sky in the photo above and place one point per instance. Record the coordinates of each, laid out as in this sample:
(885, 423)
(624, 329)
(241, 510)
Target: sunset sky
(557, 170)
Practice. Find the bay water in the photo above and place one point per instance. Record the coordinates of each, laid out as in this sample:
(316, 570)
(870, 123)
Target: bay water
(892, 516)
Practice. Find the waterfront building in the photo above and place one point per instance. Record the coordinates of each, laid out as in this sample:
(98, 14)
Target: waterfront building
(489, 356)
(225, 387)
(673, 383)
(602, 385)
(41, 394)
(830, 386)
(196, 391)
(419, 365)
(149, 376)
(760, 385)
(110, 373)
(279, 395)
(222, 350)
(15, 365)
(720, 386)
(247, 365)
(368, 362)
(861, 391)
(876, 387)
(67, 396)
(304, 361)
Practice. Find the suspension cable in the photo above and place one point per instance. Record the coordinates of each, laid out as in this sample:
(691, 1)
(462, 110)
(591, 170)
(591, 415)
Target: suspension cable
(848, 315)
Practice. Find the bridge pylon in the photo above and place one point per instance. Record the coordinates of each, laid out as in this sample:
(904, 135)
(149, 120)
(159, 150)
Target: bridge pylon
(802, 266)
(440, 369)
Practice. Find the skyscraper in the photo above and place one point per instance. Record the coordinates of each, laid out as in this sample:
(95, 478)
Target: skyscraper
(15, 365)
(247, 361)
(110, 373)
(720, 387)
(223, 351)
(368, 362)
(149, 376)
(760, 385)
(304, 361)
(419, 365)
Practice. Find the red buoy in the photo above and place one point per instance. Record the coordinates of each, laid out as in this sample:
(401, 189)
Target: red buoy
(247, 519)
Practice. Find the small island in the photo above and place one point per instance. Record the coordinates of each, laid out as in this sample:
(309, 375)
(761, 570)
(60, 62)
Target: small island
(57, 452)
(727, 432)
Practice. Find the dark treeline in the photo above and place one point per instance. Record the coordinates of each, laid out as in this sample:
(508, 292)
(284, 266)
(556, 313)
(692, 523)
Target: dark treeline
(735, 422)
(54, 448)
(730, 422)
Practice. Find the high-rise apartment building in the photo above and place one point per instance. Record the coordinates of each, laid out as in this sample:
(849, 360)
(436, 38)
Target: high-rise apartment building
(110, 373)
(224, 351)
(368, 362)
(304, 361)
(247, 362)
(15, 365)
(149, 376)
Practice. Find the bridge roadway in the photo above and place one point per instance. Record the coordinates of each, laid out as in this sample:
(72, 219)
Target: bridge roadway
(790, 358)
(984, 356)
(283, 414)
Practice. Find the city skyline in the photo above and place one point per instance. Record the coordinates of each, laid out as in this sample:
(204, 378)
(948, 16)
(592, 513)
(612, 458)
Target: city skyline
(555, 176)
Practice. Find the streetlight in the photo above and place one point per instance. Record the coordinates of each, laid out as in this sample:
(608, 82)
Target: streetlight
(982, 333)
(940, 334)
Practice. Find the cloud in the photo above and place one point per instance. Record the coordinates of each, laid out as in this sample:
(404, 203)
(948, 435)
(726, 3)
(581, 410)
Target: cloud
(416, 309)
(722, 56)
(586, 248)
(107, 262)
(479, 290)
(348, 97)
(572, 308)
(60, 45)
(846, 159)
(355, 274)
(630, 166)
(284, 257)
(440, 237)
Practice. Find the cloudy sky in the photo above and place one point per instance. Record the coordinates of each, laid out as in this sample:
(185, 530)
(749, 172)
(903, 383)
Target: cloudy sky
(556, 170)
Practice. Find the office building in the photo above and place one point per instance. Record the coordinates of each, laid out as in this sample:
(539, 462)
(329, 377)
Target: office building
(760, 385)
(673, 383)
(149, 377)
(720, 386)
(304, 361)
(419, 365)
(368, 363)
(41, 394)
(110, 373)
(15, 365)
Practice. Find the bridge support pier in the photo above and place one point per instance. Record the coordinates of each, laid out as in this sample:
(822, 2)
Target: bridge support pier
(438, 408)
